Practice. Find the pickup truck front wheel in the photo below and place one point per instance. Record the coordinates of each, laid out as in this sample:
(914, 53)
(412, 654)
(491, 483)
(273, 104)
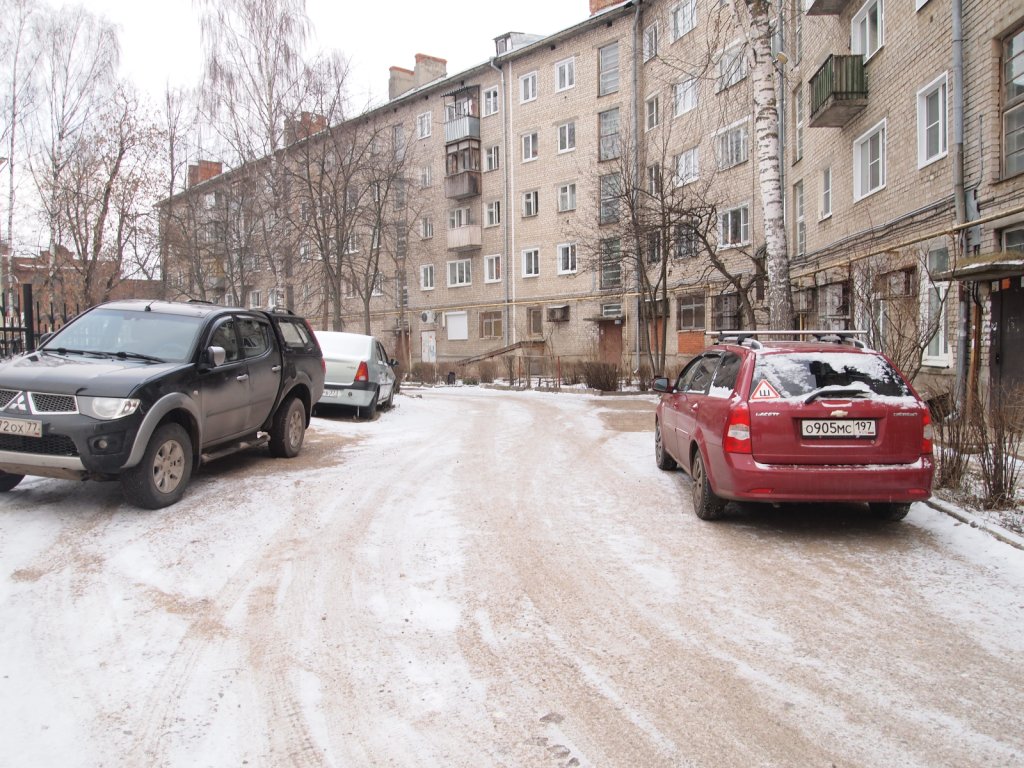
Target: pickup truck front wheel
(288, 429)
(160, 479)
(8, 481)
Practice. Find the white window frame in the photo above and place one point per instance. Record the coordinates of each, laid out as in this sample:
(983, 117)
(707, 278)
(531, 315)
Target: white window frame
(862, 145)
(743, 211)
(682, 18)
(687, 166)
(531, 203)
(938, 86)
(457, 325)
(424, 126)
(798, 119)
(567, 137)
(460, 217)
(492, 101)
(426, 176)
(531, 262)
(684, 96)
(730, 67)
(426, 277)
(255, 299)
(932, 294)
(567, 197)
(860, 29)
(492, 158)
(529, 144)
(565, 74)
(650, 41)
(492, 268)
(799, 209)
(460, 273)
(528, 87)
(426, 228)
(492, 215)
(566, 258)
(919, 4)
(608, 71)
(735, 141)
(826, 194)
(608, 144)
(652, 112)
(377, 285)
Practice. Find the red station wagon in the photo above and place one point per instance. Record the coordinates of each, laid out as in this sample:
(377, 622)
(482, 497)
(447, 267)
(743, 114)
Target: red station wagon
(822, 420)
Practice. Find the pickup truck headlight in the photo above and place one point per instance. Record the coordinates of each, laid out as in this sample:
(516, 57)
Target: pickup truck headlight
(108, 408)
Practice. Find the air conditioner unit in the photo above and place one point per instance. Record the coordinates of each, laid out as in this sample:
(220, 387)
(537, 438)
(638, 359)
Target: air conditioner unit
(427, 316)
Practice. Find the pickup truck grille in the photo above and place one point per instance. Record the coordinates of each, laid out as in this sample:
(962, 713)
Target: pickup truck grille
(40, 402)
(48, 445)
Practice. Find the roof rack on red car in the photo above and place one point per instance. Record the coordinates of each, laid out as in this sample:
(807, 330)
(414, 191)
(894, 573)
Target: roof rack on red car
(823, 335)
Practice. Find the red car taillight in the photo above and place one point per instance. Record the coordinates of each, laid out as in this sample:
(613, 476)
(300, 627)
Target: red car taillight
(362, 373)
(926, 438)
(737, 431)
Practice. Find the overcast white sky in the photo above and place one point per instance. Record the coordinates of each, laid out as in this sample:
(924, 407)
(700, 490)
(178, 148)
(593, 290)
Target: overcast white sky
(160, 40)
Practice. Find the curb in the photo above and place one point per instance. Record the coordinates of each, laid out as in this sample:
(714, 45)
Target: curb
(1003, 535)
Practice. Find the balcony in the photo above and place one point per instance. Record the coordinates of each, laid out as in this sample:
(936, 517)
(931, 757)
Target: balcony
(465, 238)
(463, 184)
(826, 7)
(462, 127)
(839, 91)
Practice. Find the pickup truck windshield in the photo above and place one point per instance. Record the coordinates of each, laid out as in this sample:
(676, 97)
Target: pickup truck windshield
(152, 336)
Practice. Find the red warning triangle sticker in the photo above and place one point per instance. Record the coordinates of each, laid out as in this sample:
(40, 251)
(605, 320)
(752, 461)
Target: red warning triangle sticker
(764, 391)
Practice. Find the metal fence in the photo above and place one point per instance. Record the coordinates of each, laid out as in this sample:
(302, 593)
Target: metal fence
(21, 324)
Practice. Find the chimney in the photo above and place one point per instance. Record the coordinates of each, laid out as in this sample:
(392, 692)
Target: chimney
(307, 124)
(399, 81)
(596, 6)
(203, 171)
(428, 69)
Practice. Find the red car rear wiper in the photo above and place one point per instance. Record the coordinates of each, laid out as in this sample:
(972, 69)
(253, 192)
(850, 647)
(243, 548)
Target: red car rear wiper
(835, 391)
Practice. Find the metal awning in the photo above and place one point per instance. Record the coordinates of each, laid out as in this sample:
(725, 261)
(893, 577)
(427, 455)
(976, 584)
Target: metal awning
(986, 266)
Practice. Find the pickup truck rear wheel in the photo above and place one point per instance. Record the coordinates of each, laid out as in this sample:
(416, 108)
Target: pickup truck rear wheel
(160, 479)
(288, 429)
(9, 480)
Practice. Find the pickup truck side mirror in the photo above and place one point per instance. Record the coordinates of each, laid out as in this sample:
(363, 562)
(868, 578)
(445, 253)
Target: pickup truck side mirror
(214, 357)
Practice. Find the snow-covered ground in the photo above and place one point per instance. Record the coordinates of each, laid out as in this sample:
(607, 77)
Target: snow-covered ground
(485, 578)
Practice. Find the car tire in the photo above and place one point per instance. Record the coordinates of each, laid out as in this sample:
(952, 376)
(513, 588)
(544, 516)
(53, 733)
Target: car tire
(8, 480)
(388, 404)
(288, 429)
(369, 412)
(706, 504)
(891, 511)
(661, 456)
(160, 479)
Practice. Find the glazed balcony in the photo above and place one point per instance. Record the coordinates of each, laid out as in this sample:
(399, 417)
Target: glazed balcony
(466, 238)
(839, 91)
(462, 127)
(461, 185)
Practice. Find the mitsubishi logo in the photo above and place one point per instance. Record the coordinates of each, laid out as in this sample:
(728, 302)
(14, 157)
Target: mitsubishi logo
(19, 403)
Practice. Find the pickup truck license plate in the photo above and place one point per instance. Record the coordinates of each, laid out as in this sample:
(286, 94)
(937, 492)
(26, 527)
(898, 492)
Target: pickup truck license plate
(22, 427)
(837, 428)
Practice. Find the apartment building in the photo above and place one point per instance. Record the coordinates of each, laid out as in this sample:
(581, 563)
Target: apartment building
(902, 132)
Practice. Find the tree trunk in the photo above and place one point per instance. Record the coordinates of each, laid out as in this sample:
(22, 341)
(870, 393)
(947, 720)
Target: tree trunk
(754, 19)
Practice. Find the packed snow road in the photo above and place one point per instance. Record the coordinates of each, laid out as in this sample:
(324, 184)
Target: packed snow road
(481, 578)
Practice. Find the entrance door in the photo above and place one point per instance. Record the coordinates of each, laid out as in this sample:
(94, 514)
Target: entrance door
(609, 343)
(1007, 341)
(428, 346)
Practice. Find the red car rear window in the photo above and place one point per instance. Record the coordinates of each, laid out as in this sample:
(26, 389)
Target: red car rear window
(794, 374)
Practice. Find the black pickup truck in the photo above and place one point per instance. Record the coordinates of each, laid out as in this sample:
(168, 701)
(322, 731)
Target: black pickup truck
(145, 391)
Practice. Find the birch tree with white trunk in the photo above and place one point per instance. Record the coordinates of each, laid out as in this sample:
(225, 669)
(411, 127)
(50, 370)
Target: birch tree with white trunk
(755, 21)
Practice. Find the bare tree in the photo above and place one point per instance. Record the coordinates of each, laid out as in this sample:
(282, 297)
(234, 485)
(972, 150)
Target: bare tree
(16, 20)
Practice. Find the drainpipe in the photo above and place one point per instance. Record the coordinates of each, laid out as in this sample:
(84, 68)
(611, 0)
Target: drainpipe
(959, 201)
(635, 170)
(508, 218)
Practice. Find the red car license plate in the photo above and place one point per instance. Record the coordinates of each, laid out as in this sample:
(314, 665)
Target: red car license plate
(837, 428)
